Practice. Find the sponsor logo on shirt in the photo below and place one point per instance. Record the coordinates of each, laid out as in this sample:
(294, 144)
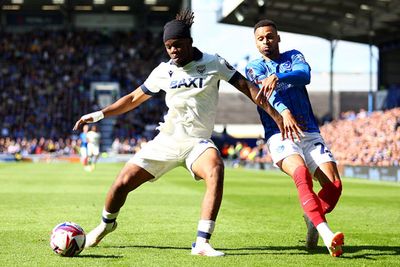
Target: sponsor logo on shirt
(187, 83)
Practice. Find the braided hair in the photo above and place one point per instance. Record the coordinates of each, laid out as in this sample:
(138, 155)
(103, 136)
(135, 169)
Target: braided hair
(179, 27)
(187, 16)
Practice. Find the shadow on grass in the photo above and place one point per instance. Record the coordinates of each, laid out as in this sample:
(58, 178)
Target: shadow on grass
(350, 252)
(148, 246)
(100, 256)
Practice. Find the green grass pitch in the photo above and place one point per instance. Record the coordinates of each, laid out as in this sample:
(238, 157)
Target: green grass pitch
(260, 221)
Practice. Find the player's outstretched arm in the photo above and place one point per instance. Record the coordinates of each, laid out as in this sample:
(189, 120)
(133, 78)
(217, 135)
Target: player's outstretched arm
(251, 91)
(291, 126)
(122, 105)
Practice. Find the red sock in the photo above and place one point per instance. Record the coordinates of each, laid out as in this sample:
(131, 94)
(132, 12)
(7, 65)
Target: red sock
(308, 199)
(329, 195)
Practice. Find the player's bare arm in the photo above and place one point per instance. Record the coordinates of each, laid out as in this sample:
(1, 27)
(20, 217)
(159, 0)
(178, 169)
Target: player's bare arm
(291, 126)
(122, 105)
(251, 91)
(268, 85)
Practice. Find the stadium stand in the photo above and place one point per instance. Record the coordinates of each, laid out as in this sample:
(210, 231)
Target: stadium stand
(45, 76)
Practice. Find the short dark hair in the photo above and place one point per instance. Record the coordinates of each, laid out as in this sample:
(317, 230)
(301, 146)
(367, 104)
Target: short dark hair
(264, 23)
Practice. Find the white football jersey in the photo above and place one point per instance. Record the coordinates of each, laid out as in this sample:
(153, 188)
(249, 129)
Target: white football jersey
(93, 138)
(191, 94)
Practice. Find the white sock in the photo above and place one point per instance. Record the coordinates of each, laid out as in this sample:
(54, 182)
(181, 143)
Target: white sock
(108, 218)
(204, 231)
(325, 232)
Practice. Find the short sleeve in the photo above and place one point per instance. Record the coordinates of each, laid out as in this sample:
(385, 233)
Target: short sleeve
(255, 73)
(152, 84)
(225, 70)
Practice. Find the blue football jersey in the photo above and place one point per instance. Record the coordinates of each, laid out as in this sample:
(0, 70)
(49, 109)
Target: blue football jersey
(293, 73)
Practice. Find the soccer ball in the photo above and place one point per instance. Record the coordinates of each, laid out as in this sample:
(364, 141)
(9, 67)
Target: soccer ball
(67, 239)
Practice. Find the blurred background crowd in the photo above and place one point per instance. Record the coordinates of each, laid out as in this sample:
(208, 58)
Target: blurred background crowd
(45, 78)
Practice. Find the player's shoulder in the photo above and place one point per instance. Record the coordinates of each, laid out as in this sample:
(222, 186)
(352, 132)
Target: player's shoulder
(163, 69)
(210, 58)
(293, 54)
(256, 62)
(215, 60)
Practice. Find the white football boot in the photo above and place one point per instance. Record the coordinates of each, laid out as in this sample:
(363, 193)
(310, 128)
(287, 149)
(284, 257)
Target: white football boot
(96, 235)
(205, 249)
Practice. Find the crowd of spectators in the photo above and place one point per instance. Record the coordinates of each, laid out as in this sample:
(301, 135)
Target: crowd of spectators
(23, 147)
(365, 139)
(45, 79)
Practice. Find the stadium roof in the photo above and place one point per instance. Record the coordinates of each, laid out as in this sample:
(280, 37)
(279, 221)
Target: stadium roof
(161, 7)
(364, 21)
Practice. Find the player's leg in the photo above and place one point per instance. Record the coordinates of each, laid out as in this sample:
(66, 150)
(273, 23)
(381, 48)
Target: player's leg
(210, 167)
(329, 178)
(322, 163)
(84, 157)
(288, 156)
(311, 203)
(130, 177)
(295, 167)
(95, 156)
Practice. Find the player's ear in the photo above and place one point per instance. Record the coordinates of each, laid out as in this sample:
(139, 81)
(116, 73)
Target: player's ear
(279, 38)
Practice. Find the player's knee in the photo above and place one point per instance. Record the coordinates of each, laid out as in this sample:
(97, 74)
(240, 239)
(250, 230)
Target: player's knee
(338, 185)
(215, 174)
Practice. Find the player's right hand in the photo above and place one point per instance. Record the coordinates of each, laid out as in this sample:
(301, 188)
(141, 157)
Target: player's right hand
(88, 118)
(268, 85)
(291, 127)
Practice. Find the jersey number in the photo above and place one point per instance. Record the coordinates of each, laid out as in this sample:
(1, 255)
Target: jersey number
(323, 149)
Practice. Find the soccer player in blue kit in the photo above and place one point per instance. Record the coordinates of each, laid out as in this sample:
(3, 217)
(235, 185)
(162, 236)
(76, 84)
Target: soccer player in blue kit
(282, 78)
(190, 80)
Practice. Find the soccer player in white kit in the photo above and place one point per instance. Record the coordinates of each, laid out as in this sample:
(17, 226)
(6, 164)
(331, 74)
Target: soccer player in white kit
(93, 146)
(190, 80)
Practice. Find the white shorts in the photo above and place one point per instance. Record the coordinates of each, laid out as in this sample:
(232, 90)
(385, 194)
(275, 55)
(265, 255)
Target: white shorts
(83, 152)
(93, 150)
(165, 153)
(312, 149)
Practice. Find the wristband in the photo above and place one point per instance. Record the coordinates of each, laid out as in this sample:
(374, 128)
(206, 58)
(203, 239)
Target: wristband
(96, 116)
